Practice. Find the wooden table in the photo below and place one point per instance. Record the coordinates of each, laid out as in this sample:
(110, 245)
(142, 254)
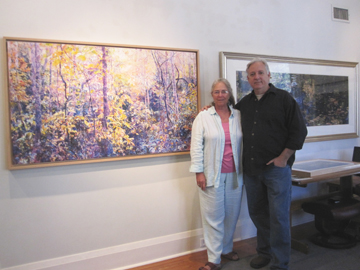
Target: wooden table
(311, 171)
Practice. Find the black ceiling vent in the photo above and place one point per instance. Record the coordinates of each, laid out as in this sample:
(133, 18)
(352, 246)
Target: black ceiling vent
(340, 14)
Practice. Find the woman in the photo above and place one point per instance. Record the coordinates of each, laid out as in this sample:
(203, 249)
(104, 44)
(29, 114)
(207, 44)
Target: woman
(216, 159)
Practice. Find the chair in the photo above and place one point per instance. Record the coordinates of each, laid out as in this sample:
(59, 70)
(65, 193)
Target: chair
(333, 215)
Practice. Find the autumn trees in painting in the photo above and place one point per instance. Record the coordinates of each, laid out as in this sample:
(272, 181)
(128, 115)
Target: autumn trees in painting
(82, 102)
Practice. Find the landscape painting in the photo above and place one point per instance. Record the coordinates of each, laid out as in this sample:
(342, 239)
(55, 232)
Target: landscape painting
(326, 90)
(323, 99)
(77, 102)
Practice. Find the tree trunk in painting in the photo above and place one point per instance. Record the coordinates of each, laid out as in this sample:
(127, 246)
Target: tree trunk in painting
(65, 99)
(35, 77)
(105, 88)
(173, 84)
(50, 105)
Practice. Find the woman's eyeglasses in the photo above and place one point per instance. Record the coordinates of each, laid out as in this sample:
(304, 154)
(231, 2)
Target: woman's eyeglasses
(218, 92)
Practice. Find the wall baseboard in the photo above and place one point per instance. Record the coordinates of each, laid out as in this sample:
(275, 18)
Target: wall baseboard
(127, 256)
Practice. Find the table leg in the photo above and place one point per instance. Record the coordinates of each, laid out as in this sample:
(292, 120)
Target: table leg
(296, 244)
(346, 188)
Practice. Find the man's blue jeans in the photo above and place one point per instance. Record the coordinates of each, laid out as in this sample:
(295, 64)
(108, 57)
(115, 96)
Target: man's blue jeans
(269, 198)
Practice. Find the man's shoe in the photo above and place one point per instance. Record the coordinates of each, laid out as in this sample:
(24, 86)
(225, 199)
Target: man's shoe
(259, 262)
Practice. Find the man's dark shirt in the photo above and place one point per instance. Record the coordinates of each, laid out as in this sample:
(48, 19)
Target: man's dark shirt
(269, 125)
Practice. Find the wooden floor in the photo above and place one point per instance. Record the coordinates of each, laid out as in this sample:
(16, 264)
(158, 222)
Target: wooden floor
(244, 248)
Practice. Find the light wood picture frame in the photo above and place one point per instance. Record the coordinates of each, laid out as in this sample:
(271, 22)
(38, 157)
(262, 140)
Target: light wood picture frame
(79, 102)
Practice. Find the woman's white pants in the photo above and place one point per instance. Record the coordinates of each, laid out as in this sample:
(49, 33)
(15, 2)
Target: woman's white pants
(220, 209)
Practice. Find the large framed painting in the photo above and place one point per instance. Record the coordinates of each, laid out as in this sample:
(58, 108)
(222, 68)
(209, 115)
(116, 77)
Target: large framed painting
(76, 102)
(326, 91)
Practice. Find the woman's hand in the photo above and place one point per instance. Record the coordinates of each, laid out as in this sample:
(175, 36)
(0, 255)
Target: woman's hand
(201, 180)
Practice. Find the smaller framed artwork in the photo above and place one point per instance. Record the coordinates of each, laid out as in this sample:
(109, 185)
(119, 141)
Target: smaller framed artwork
(75, 102)
(326, 91)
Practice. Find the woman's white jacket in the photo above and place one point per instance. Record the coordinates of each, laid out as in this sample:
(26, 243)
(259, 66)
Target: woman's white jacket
(208, 143)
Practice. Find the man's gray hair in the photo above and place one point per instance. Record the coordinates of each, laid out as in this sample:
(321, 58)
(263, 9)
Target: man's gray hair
(256, 60)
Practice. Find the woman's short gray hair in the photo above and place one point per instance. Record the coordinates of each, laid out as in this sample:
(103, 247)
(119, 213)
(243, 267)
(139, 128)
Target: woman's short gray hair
(256, 60)
(228, 87)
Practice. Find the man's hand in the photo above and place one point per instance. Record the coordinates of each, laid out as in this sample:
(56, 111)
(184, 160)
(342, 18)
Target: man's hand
(281, 160)
(201, 180)
(278, 162)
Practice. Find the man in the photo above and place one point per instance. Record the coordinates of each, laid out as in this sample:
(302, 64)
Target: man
(273, 129)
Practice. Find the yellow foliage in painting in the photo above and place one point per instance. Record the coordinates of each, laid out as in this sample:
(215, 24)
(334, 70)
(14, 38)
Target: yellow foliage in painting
(82, 57)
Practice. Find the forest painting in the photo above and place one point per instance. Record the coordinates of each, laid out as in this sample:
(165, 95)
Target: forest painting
(90, 102)
(323, 99)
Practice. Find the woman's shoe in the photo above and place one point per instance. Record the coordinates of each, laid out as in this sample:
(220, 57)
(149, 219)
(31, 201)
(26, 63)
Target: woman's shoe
(210, 266)
(232, 256)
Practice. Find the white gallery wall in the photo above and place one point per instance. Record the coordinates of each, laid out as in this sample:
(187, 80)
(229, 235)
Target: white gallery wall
(115, 214)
